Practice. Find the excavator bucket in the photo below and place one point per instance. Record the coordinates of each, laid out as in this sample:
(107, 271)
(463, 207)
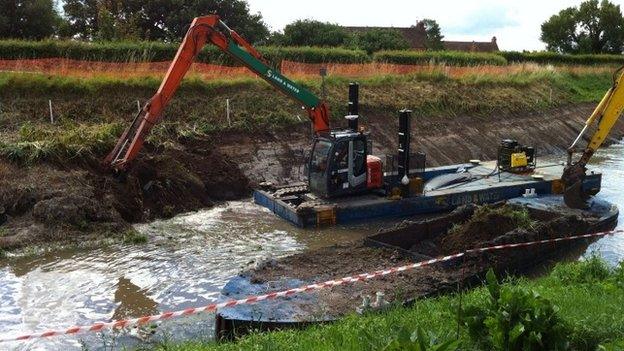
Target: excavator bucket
(574, 195)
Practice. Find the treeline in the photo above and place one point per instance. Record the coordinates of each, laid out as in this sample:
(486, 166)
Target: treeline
(158, 51)
(169, 20)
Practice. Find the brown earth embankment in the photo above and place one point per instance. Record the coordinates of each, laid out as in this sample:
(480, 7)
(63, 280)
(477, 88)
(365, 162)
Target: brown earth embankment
(51, 202)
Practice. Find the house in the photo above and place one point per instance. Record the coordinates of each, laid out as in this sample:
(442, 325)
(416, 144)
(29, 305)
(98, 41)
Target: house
(416, 36)
(472, 46)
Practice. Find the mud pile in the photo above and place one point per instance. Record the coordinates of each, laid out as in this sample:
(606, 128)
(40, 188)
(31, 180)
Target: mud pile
(70, 203)
(465, 228)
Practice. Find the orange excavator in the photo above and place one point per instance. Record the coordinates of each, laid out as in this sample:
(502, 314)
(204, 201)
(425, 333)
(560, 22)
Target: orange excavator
(340, 163)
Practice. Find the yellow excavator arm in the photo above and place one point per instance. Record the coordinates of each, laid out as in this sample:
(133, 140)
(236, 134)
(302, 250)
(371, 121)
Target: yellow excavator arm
(606, 114)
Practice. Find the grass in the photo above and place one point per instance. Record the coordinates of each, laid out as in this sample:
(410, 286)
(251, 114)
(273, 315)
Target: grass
(131, 236)
(92, 112)
(591, 313)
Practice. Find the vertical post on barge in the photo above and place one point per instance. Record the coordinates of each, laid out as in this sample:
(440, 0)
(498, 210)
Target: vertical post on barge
(353, 108)
(405, 119)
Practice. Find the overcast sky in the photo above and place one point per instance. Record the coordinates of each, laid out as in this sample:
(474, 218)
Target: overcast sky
(516, 24)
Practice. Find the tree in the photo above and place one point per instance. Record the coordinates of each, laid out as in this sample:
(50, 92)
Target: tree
(434, 34)
(377, 39)
(158, 19)
(314, 33)
(28, 19)
(593, 27)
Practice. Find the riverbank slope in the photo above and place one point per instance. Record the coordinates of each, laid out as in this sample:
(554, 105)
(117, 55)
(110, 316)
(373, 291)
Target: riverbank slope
(53, 187)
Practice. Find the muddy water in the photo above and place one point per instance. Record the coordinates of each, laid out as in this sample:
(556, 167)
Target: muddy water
(186, 262)
(611, 162)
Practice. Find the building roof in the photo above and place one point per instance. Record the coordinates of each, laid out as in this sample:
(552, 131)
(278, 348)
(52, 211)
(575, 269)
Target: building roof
(472, 46)
(416, 36)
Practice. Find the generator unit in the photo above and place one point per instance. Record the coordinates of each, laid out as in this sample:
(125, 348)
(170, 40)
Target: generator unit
(515, 158)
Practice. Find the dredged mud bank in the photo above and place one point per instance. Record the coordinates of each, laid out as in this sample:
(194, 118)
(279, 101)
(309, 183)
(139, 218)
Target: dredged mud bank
(71, 200)
(467, 227)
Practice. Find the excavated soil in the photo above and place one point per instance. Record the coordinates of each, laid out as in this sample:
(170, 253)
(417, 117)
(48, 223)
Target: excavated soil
(51, 202)
(54, 201)
(449, 234)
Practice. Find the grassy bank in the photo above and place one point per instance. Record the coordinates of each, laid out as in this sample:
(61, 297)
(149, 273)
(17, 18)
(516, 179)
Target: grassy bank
(90, 113)
(579, 306)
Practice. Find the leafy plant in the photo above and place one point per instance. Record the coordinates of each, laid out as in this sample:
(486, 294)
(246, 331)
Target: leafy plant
(592, 270)
(417, 340)
(514, 318)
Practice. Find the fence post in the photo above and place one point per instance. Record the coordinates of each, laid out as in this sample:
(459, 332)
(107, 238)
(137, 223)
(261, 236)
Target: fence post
(227, 111)
(51, 113)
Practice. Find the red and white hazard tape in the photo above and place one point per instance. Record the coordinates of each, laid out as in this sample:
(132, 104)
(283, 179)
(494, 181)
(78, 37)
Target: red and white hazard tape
(98, 327)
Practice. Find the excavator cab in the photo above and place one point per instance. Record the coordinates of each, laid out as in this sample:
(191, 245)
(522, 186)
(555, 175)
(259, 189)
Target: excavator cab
(338, 164)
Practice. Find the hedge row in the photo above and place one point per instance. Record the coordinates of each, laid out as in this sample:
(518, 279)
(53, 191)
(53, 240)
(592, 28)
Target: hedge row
(157, 51)
(545, 57)
(453, 58)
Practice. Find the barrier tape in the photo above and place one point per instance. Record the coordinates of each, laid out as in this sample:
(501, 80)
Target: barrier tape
(98, 327)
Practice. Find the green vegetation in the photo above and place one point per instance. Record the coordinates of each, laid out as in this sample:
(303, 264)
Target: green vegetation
(70, 141)
(514, 318)
(451, 58)
(517, 314)
(592, 27)
(91, 113)
(545, 57)
(131, 236)
(506, 218)
(378, 39)
(308, 32)
(434, 34)
(28, 19)
(152, 51)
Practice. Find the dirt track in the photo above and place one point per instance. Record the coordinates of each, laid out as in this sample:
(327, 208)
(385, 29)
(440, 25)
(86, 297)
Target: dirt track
(54, 202)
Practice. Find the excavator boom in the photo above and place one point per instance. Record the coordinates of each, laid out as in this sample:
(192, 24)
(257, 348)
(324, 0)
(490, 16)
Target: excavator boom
(203, 30)
(605, 115)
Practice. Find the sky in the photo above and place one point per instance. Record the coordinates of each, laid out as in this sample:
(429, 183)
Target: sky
(516, 24)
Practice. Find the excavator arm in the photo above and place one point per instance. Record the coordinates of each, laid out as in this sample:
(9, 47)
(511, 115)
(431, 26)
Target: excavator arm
(605, 115)
(204, 30)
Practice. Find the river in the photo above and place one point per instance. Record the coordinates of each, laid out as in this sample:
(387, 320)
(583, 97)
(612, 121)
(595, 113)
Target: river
(186, 262)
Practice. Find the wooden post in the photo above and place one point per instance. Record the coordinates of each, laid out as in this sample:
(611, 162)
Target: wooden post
(227, 111)
(51, 113)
